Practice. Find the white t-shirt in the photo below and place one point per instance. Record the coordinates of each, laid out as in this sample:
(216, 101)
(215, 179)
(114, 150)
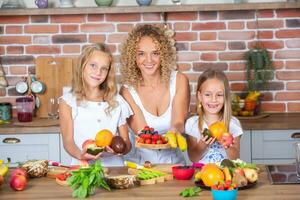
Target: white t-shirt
(215, 152)
(90, 117)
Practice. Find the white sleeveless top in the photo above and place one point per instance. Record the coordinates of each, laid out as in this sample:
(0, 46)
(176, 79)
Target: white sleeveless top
(161, 124)
(216, 152)
(89, 117)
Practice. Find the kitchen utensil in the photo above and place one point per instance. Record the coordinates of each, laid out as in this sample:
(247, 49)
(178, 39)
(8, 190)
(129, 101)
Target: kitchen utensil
(224, 194)
(22, 87)
(5, 111)
(183, 172)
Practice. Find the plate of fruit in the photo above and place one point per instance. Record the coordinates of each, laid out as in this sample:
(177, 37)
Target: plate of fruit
(151, 139)
(243, 175)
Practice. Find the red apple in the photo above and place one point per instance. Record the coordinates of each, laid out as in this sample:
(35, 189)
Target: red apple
(18, 182)
(226, 139)
(19, 171)
(91, 147)
(88, 143)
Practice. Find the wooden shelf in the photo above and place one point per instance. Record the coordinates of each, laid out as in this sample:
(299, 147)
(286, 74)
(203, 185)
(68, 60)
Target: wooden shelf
(147, 9)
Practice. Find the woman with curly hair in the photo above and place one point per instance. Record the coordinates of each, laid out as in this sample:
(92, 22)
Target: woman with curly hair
(92, 105)
(158, 95)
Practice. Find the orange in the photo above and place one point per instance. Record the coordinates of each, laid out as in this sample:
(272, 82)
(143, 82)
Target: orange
(103, 138)
(211, 174)
(217, 129)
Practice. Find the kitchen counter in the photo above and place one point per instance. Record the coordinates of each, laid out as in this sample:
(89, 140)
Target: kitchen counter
(147, 9)
(45, 188)
(275, 121)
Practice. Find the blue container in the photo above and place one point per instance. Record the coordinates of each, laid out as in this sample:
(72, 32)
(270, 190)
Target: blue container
(224, 194)
(144, 2)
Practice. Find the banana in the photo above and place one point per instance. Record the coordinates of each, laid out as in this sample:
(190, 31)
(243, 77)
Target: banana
(171, 137)
(253, 95)
(3, 170)
(1, 162)
(181, 141)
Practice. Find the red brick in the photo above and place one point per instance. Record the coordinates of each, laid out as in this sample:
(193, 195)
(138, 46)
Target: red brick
(151, 16)
(236, 25)
(41, 39)
(283, 13)
(15, 40)
(288, 75)
(14, 30)
(293, 64)
(125, 27)
(208, 15)
(293, 107)
(182, 26)
(238, 86)
(12, 80)
(182, 16)
(236, 14)
(209, 56)
(287, 54)
(273, 107)
(14, 19)
(208, 36)
(116, 38)
(278, 64)
(97, 38)
(95, 18)
(267, 96)
(36, 29)
(97, 28)
(202, 66)
(287, 96)
(182, 46)
(265, 24)
(69, 39)
(188, 56)
(8, 60)
(293, 86)
(208, 26)
(184, 67)
(129, 17)
(70, 28)
(71, 49)
(278, 44)
(113, 49)
(236, 45)
(2, 92)
(236, 35)
(237, 66)
(39, 19)
(208, 46)
(67, 18)
(14, 49)
(293, 33)
(236, 76)
(2, 50)
(232, 56)
(35, 49)
(265, 34)
(265, 13)
(295, 43)
(186, 36)
(18, 70)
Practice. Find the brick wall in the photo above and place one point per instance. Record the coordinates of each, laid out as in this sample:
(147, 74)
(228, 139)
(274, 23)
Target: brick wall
(204, 39)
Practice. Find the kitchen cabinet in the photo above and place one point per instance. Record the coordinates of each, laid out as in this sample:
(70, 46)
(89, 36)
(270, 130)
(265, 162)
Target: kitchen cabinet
(245, 146)
(23, 147)
(65, 158)
(273, 146)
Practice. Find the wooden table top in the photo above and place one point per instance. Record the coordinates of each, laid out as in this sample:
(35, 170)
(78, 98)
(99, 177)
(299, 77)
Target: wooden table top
(46, 188)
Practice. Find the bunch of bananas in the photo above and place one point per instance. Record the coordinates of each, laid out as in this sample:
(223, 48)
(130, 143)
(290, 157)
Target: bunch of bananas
(176, 140)
(3, 171)
(253, 95)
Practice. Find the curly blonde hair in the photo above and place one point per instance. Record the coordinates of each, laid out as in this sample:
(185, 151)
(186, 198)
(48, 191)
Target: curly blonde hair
(109, 86)
(129, 69)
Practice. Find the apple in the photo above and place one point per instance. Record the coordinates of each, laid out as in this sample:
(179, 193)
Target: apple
(91, 147)
(19, 171)
(18, 182)
(226, 139)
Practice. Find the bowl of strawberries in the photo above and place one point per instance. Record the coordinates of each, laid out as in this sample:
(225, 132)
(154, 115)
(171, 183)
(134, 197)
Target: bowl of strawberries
(224, 191)
(151, 139)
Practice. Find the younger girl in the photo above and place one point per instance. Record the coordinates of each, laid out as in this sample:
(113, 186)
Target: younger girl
(93, 104)
(214, 104)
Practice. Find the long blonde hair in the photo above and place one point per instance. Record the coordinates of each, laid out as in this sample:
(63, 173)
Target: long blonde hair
(129, 69)
(109, 86)
(225, 112)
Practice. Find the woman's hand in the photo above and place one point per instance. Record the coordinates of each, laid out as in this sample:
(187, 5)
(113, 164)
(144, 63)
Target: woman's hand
(86, 156)
(108, 149)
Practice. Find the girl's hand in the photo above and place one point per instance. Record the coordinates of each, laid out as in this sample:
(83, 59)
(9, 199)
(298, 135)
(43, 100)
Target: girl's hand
(87, 156)
(208, 140)
(228, 146)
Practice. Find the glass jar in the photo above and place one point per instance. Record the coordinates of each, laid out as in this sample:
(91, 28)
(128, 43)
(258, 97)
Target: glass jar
(5, 111)
(25, 106)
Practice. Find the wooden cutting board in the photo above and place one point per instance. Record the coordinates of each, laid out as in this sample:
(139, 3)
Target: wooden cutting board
(55, 73)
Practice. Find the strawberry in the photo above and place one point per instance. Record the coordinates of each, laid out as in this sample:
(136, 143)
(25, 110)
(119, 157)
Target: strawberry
(148, 141)
(155, 137)
(151, 130)
(141, 140)
(153, 142)
(147, 136)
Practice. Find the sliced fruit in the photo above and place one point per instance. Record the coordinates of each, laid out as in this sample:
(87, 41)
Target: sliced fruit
(91, 147)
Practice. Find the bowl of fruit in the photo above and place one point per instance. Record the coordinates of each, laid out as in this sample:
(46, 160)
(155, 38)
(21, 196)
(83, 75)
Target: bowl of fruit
(151, 139)
(224, 191)
(183, 172)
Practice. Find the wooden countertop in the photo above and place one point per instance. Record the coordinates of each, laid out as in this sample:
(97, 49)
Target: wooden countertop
(154, 8)
(45, 188)
(275, 121)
